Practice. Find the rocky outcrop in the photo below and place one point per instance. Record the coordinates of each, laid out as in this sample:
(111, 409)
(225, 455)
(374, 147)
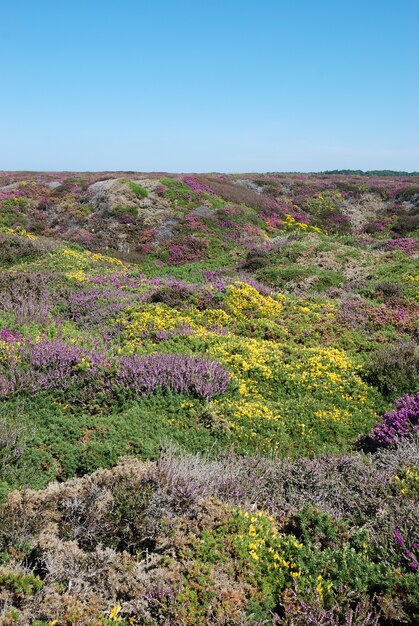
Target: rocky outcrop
(363, 210)
(107, 196)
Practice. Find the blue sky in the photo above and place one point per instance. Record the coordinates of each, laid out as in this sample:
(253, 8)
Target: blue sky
(209, 86)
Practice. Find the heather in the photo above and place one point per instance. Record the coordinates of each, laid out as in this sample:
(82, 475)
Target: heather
(398, 423)
(208, 399)
(233, 540)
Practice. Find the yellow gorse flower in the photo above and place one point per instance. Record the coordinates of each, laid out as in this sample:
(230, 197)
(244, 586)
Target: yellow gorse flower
(21, 232)
(114, 613)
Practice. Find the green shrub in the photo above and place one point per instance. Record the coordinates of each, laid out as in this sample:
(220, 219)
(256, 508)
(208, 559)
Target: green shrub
(280, 276)
(14, 249)
(406, 194)
(175, 296)
(394, 369)
(387, 290)
(21, 585)
(405, 224)
(12, 212)
(256, 260)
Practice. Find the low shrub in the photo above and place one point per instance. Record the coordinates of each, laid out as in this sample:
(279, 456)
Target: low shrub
(394, 369)
(195, 185)
(256, 260)
(187, 249)
(16, 249)
(20, 584)
(405, 224)
(121, 212)
(49, 365)
(30, 296)
(389, 290)
(405, 244)
(407, 193)
(347, 609)
(11, 444)
(175, 296)
(402, 421)
(183, 374)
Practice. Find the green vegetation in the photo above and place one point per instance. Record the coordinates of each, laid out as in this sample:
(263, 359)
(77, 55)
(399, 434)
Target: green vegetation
(139, 190)
(203, 378)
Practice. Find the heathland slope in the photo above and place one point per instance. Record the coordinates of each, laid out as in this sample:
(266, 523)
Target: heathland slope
(220, 373)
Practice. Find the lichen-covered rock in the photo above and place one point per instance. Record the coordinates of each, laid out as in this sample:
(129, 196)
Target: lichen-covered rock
(106, 196)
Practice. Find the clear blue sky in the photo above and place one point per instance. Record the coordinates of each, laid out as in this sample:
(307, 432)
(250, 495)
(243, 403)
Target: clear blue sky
(214, 85)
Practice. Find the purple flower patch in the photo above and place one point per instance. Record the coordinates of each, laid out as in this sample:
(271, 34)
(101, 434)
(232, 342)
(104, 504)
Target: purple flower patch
(183, 374)
(396, 424)
(195, 185)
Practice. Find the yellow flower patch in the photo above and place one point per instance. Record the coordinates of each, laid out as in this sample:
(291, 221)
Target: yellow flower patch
(276, 552)
(290, 222)
(80, 275)
(21, 232)
(9, 351)
(333, 415)
(158, 317)
(245, 301)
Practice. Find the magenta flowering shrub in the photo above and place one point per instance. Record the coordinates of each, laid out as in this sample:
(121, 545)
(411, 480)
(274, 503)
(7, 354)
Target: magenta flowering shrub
(83, 237)
(58, 365)
(184, 374)
(304, 219)
(187, 249)
(375, 227)
(15, 192)
(214, 278)
(397, 424)
(406, 244)
(410, 550)
(356, 313)
(195, 185)
(194, 223)
(118, 280)
(337, 223)
(10, 336)
(55, 364)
